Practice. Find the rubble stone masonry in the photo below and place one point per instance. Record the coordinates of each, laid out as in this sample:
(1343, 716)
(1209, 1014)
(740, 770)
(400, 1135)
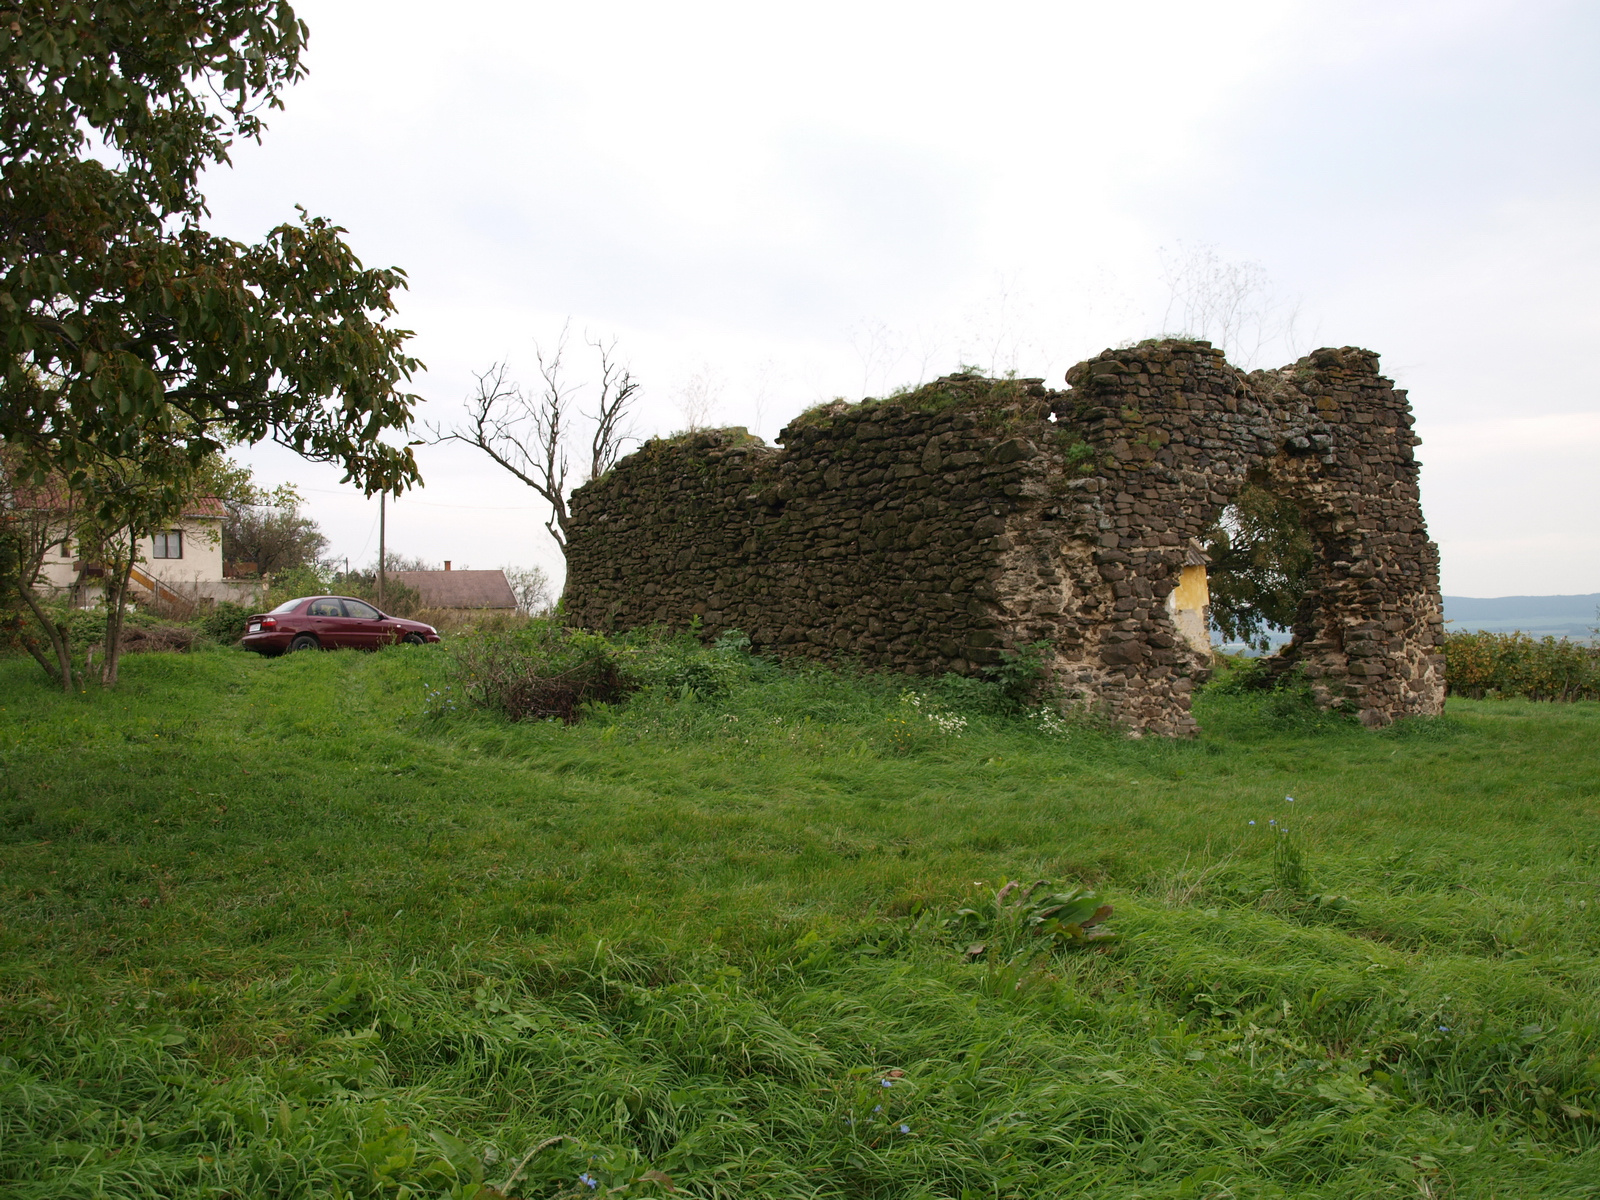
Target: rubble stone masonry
(932, 532)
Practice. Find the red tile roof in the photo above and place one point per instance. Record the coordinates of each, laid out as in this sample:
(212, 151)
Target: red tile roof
(204, 506)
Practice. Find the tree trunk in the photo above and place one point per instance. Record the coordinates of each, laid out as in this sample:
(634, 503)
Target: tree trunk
(116, 604)
(57, 635)
(31, 645)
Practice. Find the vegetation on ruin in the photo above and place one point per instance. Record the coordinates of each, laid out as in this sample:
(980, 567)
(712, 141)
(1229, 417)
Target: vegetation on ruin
(993, 400)
(314, 926)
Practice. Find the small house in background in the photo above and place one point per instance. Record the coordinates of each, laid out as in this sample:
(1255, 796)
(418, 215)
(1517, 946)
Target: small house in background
(178, 566)
(1189, 604)
(473, 591)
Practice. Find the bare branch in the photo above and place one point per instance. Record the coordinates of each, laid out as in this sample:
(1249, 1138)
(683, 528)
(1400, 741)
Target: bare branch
(528, 436)
(548, 421)
(617, 390)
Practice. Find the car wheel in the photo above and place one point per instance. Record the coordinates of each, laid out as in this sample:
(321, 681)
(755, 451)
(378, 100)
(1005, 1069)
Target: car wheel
(415, 639)
(304, 642)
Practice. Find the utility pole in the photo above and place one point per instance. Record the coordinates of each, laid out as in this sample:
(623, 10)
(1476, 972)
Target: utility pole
(383, 505)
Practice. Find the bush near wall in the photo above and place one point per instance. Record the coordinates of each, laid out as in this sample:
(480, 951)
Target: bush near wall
(1483, 664)
(540, 669)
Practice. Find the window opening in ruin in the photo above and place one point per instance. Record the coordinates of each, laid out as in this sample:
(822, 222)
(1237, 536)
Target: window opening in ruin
(1261, 557)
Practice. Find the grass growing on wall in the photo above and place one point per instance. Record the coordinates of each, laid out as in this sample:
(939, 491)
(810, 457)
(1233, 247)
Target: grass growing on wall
(309, 927)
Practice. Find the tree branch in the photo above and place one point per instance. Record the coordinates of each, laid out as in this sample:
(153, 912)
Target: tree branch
(617, 390)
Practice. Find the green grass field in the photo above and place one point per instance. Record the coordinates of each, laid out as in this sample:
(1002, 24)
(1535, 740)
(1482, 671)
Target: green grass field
(291, 928)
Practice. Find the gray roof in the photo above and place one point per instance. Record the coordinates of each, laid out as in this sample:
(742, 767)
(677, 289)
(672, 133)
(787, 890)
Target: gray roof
(459, 589)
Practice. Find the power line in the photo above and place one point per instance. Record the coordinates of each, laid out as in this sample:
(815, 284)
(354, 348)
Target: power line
(436, 504)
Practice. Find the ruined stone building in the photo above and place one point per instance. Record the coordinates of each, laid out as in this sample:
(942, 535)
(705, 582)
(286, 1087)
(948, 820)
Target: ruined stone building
(932, 531)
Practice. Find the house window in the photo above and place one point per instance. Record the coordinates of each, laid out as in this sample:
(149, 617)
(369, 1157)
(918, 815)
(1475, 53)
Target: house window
(65, 548)
(169, 544)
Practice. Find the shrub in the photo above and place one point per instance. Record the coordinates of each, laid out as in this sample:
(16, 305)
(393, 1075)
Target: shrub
(1479, 664)
(1238, 674)
(224, 621)
(538, 669)
(1009, 919)
(681, 664)
(296, 581)
(1006, 689)
(537, 673)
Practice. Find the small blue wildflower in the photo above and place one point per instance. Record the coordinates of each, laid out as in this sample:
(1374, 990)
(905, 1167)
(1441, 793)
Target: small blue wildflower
(905, 1129)
(588, 1180)
(878, 1108)
(1272, 820)
(888, 1083)
(1444, 1029)
(1290, 799)
(1252, 822)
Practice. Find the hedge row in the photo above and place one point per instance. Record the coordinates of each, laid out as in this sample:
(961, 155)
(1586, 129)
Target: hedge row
(1514, 664)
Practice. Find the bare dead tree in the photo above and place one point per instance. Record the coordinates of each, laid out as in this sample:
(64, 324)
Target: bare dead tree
(617, 389)
(528, 435)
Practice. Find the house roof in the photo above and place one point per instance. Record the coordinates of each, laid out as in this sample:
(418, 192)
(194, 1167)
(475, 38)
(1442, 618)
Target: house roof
(459, 589)
(204, 506)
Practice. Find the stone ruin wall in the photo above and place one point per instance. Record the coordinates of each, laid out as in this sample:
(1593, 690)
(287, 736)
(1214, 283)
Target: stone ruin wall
(933, 533)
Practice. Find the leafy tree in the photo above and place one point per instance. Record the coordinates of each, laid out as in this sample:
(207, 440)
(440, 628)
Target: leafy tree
(127, 497)
(134, 344)
(126, 329)
(1261, 556)
(273, 536)
(267, 527)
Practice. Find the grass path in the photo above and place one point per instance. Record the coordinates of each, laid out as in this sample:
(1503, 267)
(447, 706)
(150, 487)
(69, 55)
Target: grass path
(270, 929)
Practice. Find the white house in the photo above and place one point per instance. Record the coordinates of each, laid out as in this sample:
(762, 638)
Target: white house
(179, 564)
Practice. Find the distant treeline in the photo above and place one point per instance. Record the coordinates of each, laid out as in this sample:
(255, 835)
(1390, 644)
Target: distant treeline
(1479, 664)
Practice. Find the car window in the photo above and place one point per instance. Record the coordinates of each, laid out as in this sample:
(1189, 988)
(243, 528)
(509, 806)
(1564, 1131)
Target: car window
(354, 608)
(289, 605)
(324, 608)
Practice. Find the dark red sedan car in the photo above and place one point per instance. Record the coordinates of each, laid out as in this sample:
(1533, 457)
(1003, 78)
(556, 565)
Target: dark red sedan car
(329, 622)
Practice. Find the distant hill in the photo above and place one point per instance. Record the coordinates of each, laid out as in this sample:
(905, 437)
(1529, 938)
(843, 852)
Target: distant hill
(1561, 616)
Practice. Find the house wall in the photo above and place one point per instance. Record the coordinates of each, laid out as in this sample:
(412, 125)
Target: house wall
(197, 574)
(934, 532)
(1188, 604)
(60, 569)
(202, 553)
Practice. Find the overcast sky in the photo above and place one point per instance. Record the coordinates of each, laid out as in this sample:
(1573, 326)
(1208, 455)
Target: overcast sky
(773, 205)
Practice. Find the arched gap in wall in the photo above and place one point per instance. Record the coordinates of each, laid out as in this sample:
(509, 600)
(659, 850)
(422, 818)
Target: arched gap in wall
(1263, 553)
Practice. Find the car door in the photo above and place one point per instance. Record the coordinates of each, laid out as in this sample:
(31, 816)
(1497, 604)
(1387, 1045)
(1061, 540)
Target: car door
(368, 630)
(327, 620)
